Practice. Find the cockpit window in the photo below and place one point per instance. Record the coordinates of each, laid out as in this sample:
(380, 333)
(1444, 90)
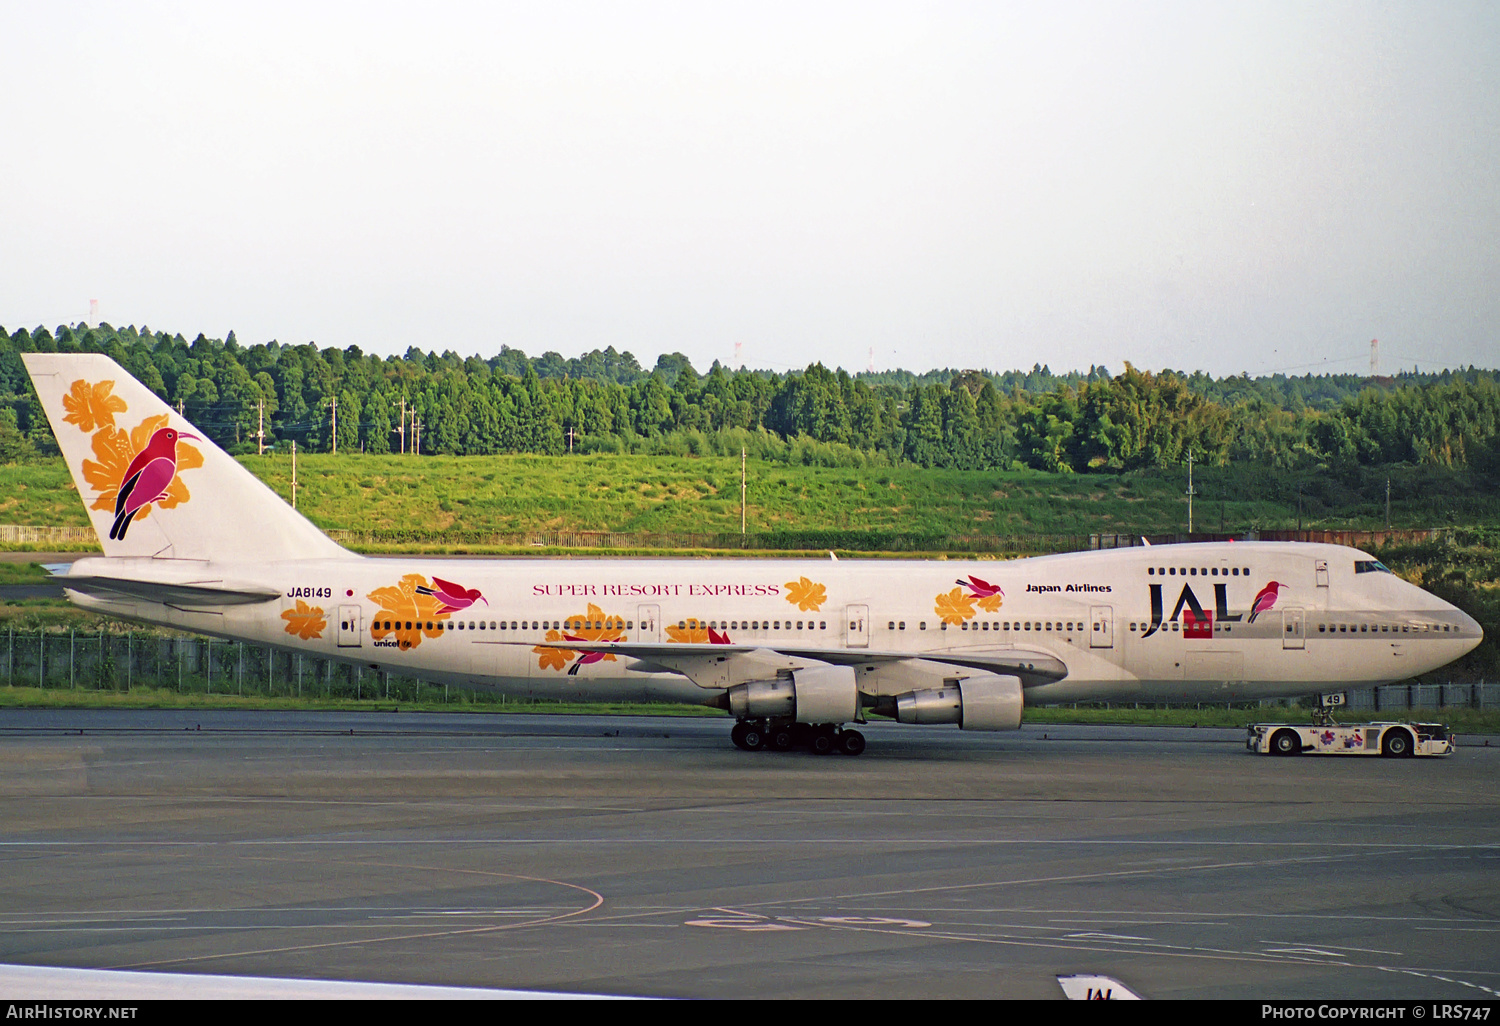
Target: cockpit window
(1370, 566)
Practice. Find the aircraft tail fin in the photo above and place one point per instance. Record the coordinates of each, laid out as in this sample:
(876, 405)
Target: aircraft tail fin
(153, 485)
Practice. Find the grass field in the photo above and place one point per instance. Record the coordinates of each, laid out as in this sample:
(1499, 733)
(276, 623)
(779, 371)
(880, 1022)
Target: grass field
(430, 498)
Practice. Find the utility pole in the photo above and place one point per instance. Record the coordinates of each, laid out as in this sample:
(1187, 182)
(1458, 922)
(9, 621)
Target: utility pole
(416, 434)
(294, 474)
(260, 432)
(402, 428)
(1387, 504)
(742, 491)
(1190, 493)
(335, 401)
(570, 441)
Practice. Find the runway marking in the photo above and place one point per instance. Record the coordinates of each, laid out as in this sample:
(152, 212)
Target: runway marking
(1169, 950)
(1304, 951)
(1430, 976)
(1380, 847)
(598, 902)
(1461, 929)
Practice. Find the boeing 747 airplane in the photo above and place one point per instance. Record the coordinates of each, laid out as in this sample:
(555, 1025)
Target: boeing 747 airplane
(795, 650)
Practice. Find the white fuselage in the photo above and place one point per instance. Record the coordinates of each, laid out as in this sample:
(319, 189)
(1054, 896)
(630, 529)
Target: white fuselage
(1164, 623)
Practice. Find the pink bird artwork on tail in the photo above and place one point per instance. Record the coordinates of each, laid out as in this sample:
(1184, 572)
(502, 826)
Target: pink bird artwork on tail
(147, 478)
(454, 597)
(1265, 599)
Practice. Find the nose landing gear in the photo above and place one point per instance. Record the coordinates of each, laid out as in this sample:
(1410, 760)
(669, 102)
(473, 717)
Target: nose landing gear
(820, 739)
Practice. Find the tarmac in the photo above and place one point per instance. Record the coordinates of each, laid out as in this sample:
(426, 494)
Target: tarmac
(645, 856)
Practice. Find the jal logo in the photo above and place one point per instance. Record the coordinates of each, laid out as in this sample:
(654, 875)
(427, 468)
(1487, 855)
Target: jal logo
(1198, 622)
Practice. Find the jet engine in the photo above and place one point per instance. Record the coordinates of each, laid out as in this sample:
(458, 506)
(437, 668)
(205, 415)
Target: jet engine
(985, 701)
(816, 694)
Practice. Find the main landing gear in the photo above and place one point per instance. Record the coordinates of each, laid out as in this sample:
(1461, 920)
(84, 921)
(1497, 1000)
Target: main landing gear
(781, 736)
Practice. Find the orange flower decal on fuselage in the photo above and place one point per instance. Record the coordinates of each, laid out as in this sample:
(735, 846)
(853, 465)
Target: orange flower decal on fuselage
(806, 595)
(592, 626)
(696, 632)
(954, 607)
(409, 611)
(305, 621)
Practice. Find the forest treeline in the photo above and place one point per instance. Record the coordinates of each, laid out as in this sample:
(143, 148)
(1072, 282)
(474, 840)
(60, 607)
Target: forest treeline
(605, 401)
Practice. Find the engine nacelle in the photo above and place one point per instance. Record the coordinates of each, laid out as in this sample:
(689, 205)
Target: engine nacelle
(986, 701)
(763, 699)
(818, 694)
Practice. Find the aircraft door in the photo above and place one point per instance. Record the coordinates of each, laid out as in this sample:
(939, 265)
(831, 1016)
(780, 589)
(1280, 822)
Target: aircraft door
(1320, 570)
(648, 619)
(1102, 630)
(1292, 635)
(857, 620)
(350, 618)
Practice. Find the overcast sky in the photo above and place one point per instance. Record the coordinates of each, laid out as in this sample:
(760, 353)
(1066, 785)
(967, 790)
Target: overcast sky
(1223, 187)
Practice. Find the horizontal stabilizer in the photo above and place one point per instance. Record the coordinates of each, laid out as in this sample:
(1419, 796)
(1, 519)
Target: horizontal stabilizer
(204, 593)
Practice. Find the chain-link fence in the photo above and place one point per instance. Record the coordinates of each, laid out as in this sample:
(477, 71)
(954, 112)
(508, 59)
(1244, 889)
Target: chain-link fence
(107, 661)
(1398, 697)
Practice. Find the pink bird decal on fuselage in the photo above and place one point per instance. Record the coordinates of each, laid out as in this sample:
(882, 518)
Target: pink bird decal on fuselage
(981, 589)
(454, 597)
(147, 478)
(1264, 599)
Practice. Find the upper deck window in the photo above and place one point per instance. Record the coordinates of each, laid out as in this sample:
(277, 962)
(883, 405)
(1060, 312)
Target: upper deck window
(1370, 566)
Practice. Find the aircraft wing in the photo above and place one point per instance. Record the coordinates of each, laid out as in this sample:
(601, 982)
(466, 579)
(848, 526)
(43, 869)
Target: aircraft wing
(712, 665)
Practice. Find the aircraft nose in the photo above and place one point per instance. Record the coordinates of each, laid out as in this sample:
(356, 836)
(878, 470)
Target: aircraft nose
(1469, 629)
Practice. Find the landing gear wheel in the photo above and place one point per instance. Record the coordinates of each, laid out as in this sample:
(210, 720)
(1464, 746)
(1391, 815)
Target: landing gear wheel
(1397, 744)
(737, 735)
(781, 738)
(753, 737)
(851, 742)
(822, 741)
(1286, 742)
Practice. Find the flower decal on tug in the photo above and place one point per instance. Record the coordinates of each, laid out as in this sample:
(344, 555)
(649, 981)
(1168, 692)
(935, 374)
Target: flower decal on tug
(133, 469)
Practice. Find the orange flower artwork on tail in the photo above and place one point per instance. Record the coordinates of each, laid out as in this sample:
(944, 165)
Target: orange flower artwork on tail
(305, 621)
(133, 469)
(92, 406)
(595, 625)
